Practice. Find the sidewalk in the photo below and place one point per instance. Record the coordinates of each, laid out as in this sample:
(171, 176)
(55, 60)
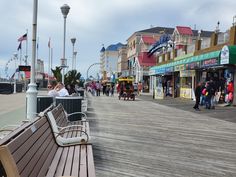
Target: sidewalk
(224, 113)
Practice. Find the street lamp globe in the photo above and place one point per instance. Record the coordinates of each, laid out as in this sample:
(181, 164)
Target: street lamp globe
(65, 10)
(73, 40)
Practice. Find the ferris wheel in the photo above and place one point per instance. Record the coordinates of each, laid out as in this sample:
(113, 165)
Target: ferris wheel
(11, 63)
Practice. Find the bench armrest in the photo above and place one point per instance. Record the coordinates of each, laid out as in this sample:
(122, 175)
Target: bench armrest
(69, 127)
(74, 113)
(83, 139)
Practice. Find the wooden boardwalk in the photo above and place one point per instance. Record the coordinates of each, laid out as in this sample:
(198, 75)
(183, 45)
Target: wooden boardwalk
(144, 139)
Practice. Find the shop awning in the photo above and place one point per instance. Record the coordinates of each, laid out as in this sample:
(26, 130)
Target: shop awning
(161, 68)
(228, 55)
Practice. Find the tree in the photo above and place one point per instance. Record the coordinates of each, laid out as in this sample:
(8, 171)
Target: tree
(57, 73)
(72, 77)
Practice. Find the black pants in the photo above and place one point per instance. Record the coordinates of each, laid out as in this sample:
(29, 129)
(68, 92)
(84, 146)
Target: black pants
(196, 106)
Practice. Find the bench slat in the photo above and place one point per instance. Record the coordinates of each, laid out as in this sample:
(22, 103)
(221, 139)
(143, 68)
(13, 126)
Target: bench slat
(91, 167)
(39, 131)
(42, 152)
(83, 161)
(69, 161)
(55, 162)
(31, 152)
(50, 150)
(61, 165)
(48, 162)
(18, 141)
(76, 162)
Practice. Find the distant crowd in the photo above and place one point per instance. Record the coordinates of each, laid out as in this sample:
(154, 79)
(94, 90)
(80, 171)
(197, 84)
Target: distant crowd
(210, 93)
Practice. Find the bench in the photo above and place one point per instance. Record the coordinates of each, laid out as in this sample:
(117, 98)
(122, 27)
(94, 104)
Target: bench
(33, 151)
(61, 127)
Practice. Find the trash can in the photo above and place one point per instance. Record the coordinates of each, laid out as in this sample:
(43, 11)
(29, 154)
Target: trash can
(43, 102)
(71, 105)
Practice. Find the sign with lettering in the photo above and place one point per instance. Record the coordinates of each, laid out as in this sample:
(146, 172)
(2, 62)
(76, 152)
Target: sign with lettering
(24, 68)
(193, 65)
(224, 55)
(210, 62)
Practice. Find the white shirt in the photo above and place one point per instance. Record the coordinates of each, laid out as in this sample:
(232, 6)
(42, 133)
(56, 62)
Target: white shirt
(53, 93)
(63, 92)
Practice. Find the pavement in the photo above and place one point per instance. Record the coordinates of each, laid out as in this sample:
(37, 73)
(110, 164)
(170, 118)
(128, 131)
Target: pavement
(227, 113)
(13, 107)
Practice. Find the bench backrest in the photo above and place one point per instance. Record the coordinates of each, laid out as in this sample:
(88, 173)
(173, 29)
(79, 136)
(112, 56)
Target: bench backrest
(59, 115)
(30, 153)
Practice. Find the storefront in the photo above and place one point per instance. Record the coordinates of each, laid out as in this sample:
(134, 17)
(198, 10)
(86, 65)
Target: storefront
(228, 61)
(182, 73)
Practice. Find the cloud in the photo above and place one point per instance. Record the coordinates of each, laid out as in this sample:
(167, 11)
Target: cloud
(94, 23)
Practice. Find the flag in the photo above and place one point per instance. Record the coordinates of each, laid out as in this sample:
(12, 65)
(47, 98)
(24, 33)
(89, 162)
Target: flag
(49, 43)
(22, 38)
(19, 47)
(27, 74)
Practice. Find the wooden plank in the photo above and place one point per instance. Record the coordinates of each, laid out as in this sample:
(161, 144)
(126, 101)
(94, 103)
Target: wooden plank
(42, 152)
(83, 161)
(31, 151)
(69, 161)
(19, 140)
(53, 167)
(49, 162)
(76, 161)
(38, 132)
(90, 165)
(61, 165)
(45, 157)
(15, 133)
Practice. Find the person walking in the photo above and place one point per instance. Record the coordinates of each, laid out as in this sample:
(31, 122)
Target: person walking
(198, 92)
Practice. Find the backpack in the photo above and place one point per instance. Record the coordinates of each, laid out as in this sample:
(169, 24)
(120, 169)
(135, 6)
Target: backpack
(204, 91)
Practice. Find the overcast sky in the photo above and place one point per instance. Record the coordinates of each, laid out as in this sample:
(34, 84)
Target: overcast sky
(97, 22)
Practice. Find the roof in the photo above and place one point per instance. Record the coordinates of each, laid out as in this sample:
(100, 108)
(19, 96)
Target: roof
(148, 40)
(102, 50)
(114, 47)
(145, 60)
(184, 30)
(203, 33)
(166, 30)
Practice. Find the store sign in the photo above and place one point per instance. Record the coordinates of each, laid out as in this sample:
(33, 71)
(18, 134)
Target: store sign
(193, 65)
(224, 55)
(187, 73)
(179, 68)
(209, 63)
(24, 68)
(169, 69)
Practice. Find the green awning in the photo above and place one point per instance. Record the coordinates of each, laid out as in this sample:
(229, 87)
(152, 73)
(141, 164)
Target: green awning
(228, 55)
(202, 57)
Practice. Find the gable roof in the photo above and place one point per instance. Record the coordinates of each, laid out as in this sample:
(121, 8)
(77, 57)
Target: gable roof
(114, 47)
(203, 33)
(184, 30)
(145, 60)
(166, 30)
(148, 40)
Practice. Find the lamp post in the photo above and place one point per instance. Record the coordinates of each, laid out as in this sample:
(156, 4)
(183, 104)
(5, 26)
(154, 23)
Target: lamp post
(64, 10)
(75, 53)
(15, 58)
(31, 94)
(73, 50)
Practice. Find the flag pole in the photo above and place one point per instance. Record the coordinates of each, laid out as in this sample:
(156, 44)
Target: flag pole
(49, 58)
(51, 61)
(26, 48)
